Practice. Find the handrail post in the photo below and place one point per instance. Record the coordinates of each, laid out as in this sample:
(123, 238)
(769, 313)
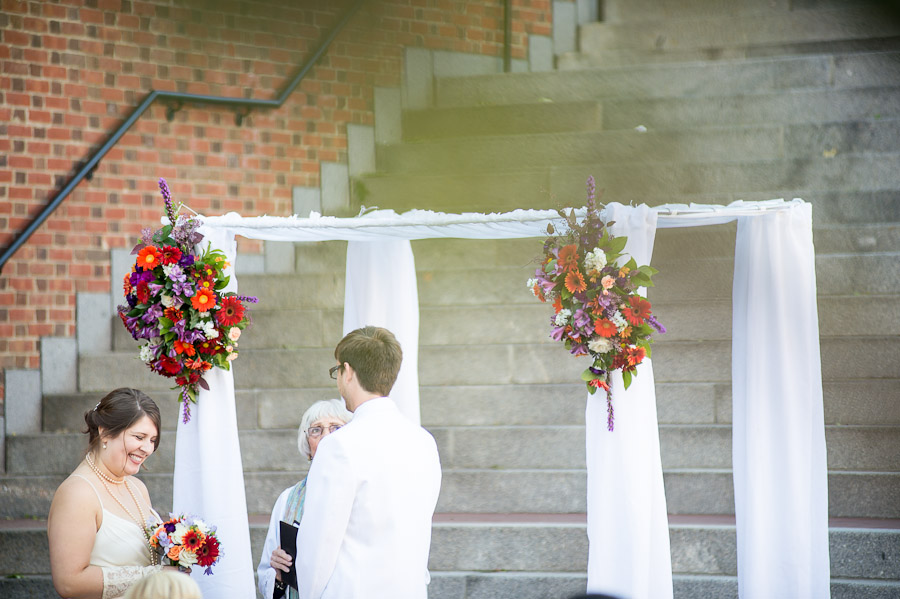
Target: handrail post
(507, 36)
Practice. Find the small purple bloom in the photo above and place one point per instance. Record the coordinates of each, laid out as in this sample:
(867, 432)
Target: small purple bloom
(208, 571)
(170, 527)
(186, 260)
(151, 316)
(132, 301)
(176, 274)
(558, 333)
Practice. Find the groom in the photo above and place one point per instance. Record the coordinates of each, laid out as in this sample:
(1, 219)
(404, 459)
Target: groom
(372, 488)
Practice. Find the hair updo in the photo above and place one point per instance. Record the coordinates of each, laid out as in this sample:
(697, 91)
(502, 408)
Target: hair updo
(117, 412)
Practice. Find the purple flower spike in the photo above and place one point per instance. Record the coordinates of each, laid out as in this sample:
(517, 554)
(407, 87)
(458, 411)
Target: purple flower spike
(186, 403)
(167, 196)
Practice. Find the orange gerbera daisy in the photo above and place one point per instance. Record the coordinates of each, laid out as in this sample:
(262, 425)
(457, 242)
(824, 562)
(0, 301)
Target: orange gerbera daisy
(184, 348)
(203, 300)
(173, 314)
(148, 258)
(126, 284)
(568, 257)
(575, 282)
(637, 311)
(636, 355)
(605, 327)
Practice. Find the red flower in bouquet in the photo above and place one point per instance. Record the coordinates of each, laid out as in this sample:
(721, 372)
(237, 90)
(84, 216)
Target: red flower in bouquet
(208, 553)
(230, 313)
(169, 366)
(170, 255)
(204, 300)
(173, 314)
(143, 292)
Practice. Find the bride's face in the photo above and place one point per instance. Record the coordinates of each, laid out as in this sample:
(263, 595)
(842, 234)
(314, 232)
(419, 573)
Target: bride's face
(126, 452)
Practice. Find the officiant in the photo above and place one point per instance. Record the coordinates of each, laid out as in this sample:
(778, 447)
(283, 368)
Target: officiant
(321, 419)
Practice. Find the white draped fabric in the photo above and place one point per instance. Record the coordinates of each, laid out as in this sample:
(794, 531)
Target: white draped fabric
(780, 472)
(627, 526)
(780, 486)
(209, 478)
(380, 290)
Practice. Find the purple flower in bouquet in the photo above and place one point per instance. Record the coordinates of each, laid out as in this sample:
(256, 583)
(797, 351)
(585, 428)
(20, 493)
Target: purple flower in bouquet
(151, 316)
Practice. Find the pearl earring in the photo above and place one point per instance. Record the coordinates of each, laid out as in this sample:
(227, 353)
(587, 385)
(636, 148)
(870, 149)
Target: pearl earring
(104, 445)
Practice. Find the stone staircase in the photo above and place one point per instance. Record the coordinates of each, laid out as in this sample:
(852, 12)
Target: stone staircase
(751, 100)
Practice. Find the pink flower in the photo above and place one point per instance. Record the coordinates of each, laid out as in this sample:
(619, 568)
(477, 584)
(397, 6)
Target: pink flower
(234, 333)
(608, 282)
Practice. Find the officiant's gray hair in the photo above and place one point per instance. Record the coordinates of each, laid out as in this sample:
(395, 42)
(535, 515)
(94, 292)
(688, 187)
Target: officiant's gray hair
(325, 408)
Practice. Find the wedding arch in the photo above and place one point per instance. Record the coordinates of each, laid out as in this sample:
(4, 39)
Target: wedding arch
(779, 461)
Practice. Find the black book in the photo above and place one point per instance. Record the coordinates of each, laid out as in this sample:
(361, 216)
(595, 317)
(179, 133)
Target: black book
(289, 546)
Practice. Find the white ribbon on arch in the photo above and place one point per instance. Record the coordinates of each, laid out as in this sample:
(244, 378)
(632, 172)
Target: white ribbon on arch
(780, 485)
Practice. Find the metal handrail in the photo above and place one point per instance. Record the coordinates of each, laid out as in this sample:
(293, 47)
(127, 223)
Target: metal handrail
(177, 100)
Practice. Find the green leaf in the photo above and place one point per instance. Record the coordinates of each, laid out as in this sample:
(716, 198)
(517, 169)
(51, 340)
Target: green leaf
(587, 375)
(591, 389)
(626, 378)
(166, 323)
(631, 264)
(617, 244)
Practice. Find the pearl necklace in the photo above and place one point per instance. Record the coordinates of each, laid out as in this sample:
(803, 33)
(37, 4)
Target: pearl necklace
(142, 522)
(99, 473)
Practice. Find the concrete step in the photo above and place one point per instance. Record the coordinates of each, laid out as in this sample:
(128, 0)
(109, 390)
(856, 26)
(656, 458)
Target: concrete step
(502, 120)
(781, 107)
(626, 11)
(721, 144)
(725, 78)
(688, 491)
(786, 107)
(529, 585)
(553, 447)
(546, 544)
(674, 361)
(717, 32)
(847, 401)
(845, 187)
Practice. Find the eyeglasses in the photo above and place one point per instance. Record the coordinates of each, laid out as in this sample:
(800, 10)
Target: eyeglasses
(316, 431)
(332, 372)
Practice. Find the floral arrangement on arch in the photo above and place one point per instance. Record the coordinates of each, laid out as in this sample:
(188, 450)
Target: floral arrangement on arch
(176, 308)
(597, 310)
(185, 542)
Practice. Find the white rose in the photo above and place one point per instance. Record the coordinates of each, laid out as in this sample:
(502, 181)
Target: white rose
(187, 558)
(178, 534)
(600, 345)
(167, 300)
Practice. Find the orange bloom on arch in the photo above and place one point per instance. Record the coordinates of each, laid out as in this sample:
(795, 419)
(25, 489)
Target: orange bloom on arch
(203, 300)
(637, 311)
(636, 355)
(557, 304)
(605, 327)
(184, 348)
(174, 552)
(575, 282)
(568, 257)
(148, 258)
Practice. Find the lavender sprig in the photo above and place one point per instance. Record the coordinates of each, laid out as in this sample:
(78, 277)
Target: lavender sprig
(167, 196)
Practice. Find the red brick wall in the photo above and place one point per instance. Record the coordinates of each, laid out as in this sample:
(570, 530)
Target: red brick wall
(74, 70)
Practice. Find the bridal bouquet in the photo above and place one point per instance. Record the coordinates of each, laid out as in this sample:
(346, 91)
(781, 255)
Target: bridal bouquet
(597, 310)
(185, 541)
(176, 309)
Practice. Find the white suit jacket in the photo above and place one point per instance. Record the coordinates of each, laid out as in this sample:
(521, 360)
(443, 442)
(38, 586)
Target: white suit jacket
(371, 494)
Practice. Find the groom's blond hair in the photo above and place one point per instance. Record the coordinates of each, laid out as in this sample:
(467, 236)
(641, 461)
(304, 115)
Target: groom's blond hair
(374, 354)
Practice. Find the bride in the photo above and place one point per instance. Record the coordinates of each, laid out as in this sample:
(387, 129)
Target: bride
(97, 524)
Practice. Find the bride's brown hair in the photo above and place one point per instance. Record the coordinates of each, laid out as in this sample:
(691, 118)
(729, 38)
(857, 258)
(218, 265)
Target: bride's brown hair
(117, 411)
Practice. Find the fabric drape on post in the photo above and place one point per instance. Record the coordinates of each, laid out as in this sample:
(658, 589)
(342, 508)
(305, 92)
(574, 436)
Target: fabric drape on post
(780, 470)
(380, 290)
(209, 477)
(628, 528)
